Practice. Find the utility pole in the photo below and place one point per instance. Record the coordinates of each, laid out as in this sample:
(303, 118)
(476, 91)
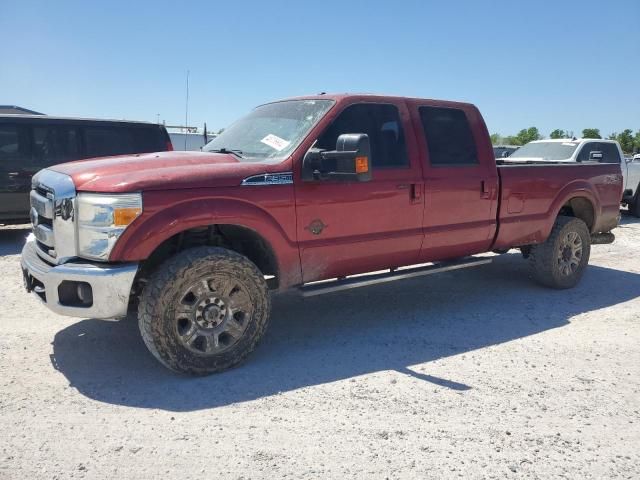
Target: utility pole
(186, 112)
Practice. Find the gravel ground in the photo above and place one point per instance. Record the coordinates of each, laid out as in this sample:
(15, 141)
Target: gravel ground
(471, 374)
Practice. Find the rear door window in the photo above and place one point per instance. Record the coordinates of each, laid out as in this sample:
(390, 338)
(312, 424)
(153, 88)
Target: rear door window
(107, 141)
(54, 144)
(449, 138)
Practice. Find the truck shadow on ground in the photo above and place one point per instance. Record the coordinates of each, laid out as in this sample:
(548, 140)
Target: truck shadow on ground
(334, 337)
(12, 240)
(627, 219)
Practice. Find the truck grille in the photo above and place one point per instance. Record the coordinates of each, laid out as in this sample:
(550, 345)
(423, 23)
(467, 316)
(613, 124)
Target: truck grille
(43, 190)
(52, 215)
(42, 221)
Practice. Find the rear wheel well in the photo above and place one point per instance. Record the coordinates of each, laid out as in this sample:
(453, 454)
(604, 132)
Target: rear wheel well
(582, 208)
(240, 239)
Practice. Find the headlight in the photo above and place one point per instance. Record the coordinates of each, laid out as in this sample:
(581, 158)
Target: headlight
(101, 220)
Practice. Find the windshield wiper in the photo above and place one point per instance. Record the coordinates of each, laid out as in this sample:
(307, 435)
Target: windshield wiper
(237, 153)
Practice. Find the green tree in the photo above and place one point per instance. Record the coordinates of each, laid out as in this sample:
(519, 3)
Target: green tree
(591, 133)
(496, 138)
(612, 136)
(557, 133)
(626, 140)
(525, 136)
(636, 142)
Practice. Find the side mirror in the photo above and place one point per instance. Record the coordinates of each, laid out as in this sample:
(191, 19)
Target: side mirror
(595, 156)
(349, 162)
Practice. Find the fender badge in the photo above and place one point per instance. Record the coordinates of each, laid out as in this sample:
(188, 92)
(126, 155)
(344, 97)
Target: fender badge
(316, 227)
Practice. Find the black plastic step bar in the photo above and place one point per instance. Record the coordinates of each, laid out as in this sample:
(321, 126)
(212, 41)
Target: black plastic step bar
(346, 283)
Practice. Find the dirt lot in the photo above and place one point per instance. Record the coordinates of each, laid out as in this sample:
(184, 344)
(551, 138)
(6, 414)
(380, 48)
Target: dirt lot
(471, 374)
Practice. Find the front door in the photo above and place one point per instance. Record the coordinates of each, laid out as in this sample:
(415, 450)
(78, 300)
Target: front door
(352, 227)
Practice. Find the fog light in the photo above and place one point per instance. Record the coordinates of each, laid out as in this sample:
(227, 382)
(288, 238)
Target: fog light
(75, 294)
(85, 294)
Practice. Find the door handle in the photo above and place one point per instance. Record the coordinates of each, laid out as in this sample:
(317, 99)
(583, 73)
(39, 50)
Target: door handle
(485, 190)
(415, 190)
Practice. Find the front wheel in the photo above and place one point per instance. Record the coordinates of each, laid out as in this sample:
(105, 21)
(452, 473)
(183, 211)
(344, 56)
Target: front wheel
(204, 310)
(560, 261)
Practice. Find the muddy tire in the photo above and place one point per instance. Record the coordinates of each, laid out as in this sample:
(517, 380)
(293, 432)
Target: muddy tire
(204, 310)
(561, 260)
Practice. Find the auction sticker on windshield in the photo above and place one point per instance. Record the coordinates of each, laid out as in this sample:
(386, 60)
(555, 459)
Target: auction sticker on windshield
(275, 142)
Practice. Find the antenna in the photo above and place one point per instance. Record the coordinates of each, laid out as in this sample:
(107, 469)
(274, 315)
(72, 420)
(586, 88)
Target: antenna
(186, 113)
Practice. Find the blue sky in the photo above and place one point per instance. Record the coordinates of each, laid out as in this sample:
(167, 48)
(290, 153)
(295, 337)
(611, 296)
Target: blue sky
(552, 64)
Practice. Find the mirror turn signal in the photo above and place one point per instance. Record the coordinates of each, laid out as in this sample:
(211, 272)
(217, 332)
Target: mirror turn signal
(362, 164)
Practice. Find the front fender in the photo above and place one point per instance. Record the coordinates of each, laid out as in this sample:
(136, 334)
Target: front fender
(165, 215)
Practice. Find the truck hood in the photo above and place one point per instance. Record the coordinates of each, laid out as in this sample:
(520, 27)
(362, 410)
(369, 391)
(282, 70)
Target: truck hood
(161, 171)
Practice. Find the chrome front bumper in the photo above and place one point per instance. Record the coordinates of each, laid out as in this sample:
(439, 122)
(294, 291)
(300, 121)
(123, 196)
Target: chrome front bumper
(110, 284)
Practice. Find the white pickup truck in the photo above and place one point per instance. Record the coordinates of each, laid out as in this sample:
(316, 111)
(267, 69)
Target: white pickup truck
(587, 150)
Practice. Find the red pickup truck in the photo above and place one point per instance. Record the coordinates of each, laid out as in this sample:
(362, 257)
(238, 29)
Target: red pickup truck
(313, 193)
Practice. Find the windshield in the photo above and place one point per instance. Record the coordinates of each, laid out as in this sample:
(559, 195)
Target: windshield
(271, 131)
(546, 150)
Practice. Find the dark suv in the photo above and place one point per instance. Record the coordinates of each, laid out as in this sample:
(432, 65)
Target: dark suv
(29, 143)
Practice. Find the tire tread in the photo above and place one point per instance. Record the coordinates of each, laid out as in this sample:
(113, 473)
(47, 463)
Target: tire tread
(542, 256)
(153, 302)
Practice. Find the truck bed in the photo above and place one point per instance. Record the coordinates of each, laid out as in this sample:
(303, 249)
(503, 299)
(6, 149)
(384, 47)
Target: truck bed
(532, 194)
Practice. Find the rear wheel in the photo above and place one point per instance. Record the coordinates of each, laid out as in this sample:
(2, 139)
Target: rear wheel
(204, 310)
(560, 261)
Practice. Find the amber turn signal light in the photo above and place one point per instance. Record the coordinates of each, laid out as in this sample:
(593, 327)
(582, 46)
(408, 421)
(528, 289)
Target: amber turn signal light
(124, 216)
(362, 164)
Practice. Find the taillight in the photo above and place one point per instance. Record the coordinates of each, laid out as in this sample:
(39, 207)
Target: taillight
(169, 146)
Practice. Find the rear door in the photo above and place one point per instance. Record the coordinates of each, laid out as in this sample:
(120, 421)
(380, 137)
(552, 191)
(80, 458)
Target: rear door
(461, 180)
(351, 227)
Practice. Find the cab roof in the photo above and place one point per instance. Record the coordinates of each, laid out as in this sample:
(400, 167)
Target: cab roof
(373, 97)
